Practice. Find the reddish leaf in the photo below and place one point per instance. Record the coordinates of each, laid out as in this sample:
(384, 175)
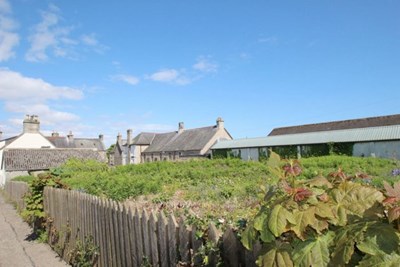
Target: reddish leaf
(390, 200)
(292, 168)
(392, 191)
(301, 194)
(324, 197)
(393, 214)
(338, 174)
(285, 186)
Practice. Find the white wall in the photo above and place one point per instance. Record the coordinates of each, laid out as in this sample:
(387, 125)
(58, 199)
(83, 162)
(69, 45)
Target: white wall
(31, 140)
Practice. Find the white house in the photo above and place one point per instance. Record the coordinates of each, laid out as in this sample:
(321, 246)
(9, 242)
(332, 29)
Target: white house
(32, 151)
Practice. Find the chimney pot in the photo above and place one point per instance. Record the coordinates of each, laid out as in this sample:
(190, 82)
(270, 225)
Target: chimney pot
(181, 127)
(220, 123)
(119, 138)
(101, 137)
(70, 137)
(129, 136)
(31, 124)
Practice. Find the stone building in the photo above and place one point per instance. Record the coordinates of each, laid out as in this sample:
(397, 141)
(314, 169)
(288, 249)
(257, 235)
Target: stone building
(182, 144)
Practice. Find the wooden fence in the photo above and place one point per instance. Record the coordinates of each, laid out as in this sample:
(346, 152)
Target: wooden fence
(123, 236)
(129, 237)
(16, 192)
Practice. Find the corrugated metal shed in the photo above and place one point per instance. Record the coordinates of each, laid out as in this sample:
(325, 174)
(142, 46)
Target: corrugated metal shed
(339, 136)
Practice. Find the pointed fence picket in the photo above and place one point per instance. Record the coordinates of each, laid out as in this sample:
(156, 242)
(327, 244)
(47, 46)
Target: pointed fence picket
(130, 237)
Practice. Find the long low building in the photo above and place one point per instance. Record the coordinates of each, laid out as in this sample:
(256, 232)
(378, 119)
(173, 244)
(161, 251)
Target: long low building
(368, 137)
(32, 152)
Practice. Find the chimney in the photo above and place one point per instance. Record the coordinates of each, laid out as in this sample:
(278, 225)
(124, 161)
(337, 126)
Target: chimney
(220, 123)
(119, 138)
(55, 134)
(128, 144)
(1, 135)
(101, 137)
(31, 124)
(181, 127)
(70, 137)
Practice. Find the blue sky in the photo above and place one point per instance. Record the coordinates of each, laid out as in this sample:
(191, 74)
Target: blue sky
(101, 66)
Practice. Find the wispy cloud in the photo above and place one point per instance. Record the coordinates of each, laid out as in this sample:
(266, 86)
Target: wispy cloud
(26, 95)
(92, 41)
(132, 80)
(172, 76)
(272, 40)
(205, 64)
(8, 38)
(166, 75)
(50, 37)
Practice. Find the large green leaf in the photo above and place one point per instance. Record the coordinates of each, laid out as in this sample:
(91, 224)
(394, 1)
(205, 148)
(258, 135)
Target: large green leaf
(379, 238)
(277, 255)
(248, 237)
(313, 252)
(345, 240)
(355, 199)
(370, 237)
(381, 260)
(278, 221)
(303, 219)
(325, 210)
(261, 225)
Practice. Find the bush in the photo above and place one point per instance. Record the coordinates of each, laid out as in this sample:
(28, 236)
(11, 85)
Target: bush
(322, 221)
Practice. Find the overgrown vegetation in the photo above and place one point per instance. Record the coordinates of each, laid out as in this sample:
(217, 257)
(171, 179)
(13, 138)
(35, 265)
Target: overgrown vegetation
(330, 221)
(323, 211)
(34, 211)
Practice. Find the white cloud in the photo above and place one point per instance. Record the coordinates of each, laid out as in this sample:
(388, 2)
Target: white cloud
(48, 116)
(26, 95)
(132, 80)
(205, 64)
(170, 76)
(167, 75)
(8, 38)
(15, 86)
(49, 37)
(89, 39)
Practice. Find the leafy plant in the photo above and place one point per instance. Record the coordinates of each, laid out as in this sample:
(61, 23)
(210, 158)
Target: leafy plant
(34, 210)
(324, 221)
(85, 253)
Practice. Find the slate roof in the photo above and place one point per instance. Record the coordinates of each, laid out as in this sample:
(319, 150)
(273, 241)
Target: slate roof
(143, 139)
(44, 159)
(188, 140)
(10, 140)
(159, 142)
(339, 125)
(63, 142)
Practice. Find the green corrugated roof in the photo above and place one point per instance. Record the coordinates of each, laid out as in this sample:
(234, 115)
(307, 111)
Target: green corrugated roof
(338, 136)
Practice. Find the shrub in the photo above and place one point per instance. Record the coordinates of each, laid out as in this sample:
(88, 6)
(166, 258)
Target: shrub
(322, 221)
